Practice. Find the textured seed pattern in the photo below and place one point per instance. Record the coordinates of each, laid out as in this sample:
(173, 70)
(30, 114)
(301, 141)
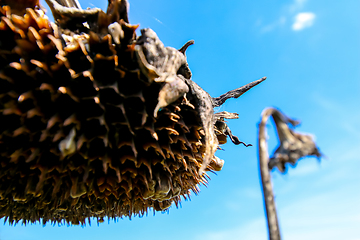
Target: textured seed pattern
(78, 134)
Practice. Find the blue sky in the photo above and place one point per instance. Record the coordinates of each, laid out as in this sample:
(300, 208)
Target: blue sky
(310, 52)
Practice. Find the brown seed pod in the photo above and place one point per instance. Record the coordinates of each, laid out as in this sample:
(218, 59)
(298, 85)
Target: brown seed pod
(94, 123)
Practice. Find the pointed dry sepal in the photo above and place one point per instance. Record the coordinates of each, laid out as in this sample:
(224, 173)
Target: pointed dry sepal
(184, 68)
(222, 130)
(118, 9)
(218, 101)
(185, 47)
(69, 3)
(69, 12)
(70, 8)
(293, 145)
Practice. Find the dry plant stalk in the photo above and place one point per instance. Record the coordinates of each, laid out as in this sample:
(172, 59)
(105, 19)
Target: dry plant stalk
(96, 121)
(293, 146)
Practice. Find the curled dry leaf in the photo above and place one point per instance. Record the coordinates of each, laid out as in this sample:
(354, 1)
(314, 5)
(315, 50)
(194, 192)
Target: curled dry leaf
(293, 145)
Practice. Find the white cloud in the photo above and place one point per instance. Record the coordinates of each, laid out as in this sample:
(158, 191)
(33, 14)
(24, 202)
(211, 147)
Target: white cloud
(296, 8)
(303, 20)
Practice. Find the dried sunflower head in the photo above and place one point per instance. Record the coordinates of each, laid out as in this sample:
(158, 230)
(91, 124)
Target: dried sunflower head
(96, 122)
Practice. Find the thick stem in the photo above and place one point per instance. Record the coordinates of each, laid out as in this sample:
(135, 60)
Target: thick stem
(272, 220)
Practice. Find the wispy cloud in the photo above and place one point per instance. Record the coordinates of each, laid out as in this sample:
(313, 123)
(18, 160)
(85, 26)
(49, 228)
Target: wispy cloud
(255, 229)
(346, 118)
(303, 20)
(297, 5)
(304, 169)
(234, 205)
(332, 215)
(325, 209)
(271, 26)
(326, 102)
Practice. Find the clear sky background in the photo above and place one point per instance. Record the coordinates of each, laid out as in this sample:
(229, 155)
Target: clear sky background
(310, 52)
